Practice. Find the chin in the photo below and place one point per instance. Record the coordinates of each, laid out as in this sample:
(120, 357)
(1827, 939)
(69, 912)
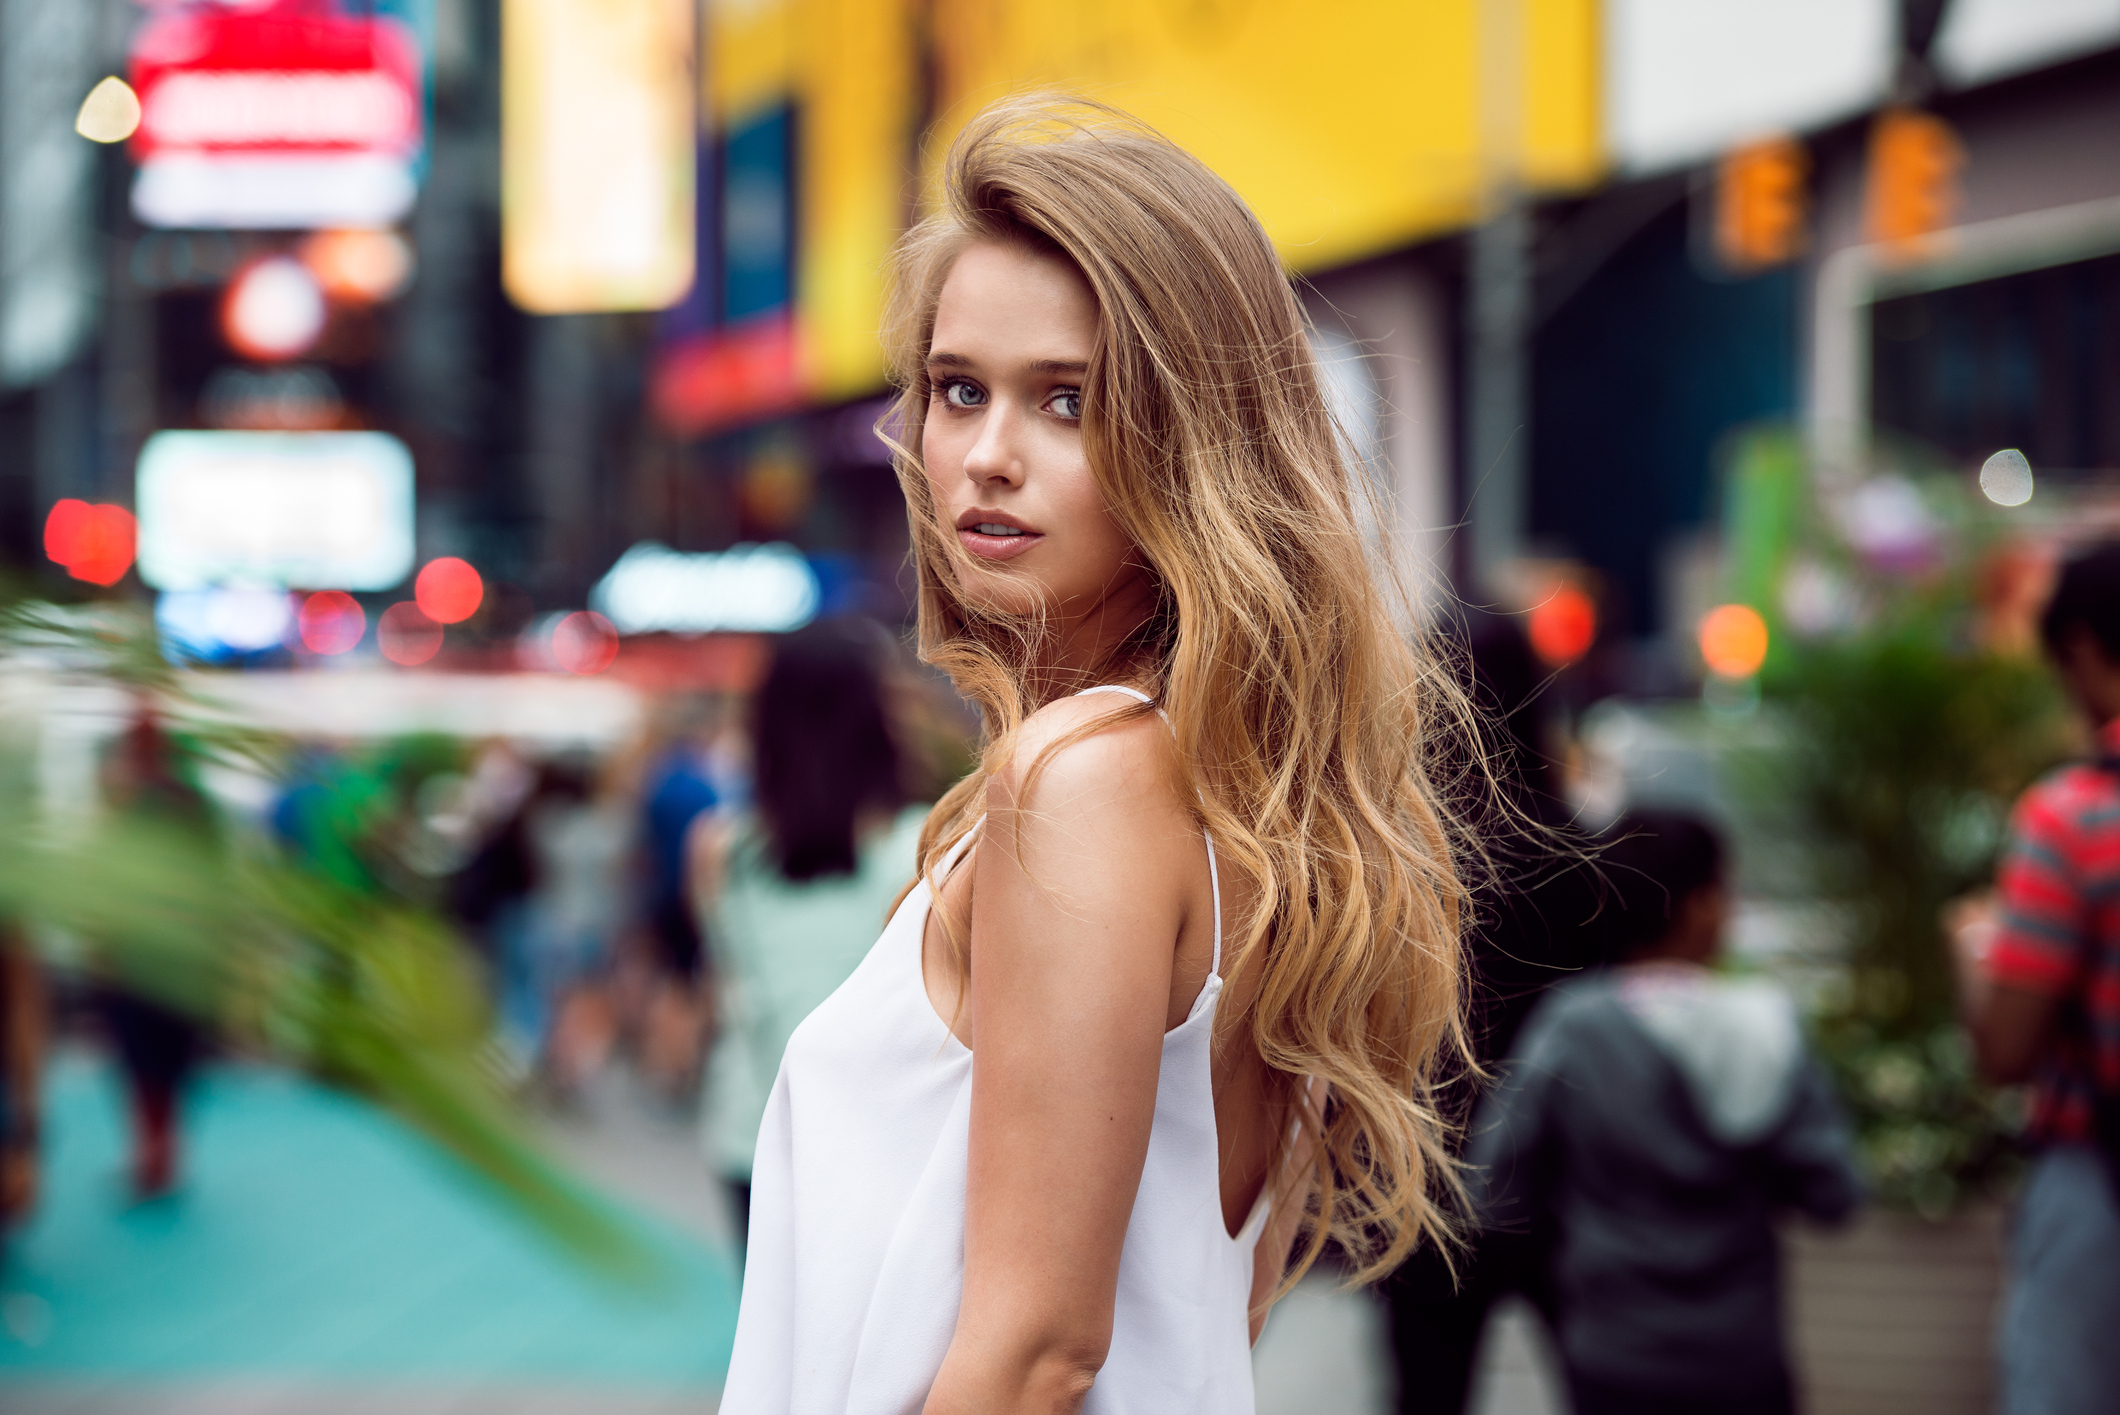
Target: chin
(1007, 595)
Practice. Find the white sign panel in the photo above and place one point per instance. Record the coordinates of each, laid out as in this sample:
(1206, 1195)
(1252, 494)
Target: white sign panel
(1685, 79)
(311, 510)
(760, 589)
(272, 191)
(1986, 39)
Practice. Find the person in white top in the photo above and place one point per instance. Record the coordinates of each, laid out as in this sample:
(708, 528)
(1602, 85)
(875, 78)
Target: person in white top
(1165, 1011)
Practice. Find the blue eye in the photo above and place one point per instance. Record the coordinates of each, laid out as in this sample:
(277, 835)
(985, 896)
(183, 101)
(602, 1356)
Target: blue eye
(960, 394)
(1067, 403)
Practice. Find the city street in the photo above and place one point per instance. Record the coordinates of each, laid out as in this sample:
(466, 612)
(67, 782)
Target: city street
(320, 1260)
(318, 1257)
(530, 528)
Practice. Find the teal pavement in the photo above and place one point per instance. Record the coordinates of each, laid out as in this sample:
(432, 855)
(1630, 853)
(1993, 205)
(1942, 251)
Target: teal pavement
(315, 1238)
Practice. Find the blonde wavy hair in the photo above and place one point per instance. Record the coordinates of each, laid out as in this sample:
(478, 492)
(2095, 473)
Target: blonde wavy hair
(1312, 730)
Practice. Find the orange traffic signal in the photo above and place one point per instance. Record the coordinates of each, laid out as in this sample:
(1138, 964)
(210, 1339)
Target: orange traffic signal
(1761, 204)
(1915, 160)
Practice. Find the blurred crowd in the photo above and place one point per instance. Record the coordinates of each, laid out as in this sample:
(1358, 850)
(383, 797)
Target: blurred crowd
(611, 897)
(1639, 1120)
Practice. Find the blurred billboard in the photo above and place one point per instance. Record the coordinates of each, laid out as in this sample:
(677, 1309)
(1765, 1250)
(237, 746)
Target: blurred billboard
(1351, 131)
(321, 510)
(597, 122)
(277, 116)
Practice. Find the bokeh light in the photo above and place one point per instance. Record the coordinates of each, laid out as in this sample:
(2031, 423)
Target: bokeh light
(357, 266)
(407, 636)
(584, 642)
(247, 620)
(1563, 627)
(110, 113)
(273, 310)
(2006, 478)
(331, 622)
(1733, 640)
(94, 542)
(448, 590)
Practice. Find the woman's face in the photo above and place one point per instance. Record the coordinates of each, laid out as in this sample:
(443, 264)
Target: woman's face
(1003, 436)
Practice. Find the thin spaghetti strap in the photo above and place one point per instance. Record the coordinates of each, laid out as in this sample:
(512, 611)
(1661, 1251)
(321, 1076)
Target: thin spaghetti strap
(1214, 873)
(1214, 888)
(1134, 693)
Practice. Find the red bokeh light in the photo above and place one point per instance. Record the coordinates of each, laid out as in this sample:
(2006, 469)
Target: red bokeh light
(407, 636)
(584, 642)
(93, 542)
(1564, 627)
(448, 590)
(331, 621)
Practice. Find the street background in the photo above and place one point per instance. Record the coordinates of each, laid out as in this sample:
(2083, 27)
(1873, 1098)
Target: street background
(423, 421)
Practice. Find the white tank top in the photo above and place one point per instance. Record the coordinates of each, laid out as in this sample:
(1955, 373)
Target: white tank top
(856, 1259)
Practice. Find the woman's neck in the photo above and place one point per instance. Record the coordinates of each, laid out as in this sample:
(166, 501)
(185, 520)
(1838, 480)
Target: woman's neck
(1082, 649)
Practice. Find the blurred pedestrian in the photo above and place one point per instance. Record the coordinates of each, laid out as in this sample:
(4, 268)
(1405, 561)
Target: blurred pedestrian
(1530, 930)
(795, 888)
(680, 790)
(1659, 1119)
(2039, 986)
(580, 834)
(489, 893)
(23, 1026)
(158, 1047)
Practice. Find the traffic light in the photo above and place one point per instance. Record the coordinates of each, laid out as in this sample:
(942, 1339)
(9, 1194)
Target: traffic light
(1761, 204)
(1915, 160)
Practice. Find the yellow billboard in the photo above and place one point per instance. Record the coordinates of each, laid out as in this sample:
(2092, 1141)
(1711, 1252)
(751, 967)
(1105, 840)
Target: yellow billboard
(1351, 126)
(597, 132)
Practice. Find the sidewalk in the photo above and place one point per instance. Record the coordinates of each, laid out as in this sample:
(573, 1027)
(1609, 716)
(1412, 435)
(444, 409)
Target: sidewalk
(321, 1258)
(1324, 1353)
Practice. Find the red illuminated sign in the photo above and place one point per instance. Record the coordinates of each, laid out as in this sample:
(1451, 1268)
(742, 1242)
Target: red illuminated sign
(289, 114)
(289, 77)
(727, 376)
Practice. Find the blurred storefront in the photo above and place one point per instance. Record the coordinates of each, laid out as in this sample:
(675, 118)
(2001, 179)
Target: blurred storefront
(609, 276)
(1888, 225)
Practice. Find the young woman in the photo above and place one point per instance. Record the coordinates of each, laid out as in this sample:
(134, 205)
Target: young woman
(1184, 950)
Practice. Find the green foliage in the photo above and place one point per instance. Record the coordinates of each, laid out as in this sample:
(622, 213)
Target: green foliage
(1910, 739)
(1930, 1135)
(1908, 754)
(348, 980)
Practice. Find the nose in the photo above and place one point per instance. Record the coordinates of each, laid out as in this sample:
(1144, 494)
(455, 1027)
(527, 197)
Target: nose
(994, 458)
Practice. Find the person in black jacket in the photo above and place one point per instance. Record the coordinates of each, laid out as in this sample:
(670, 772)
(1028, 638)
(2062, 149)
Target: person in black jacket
(1530, 930)
(1660, 1117)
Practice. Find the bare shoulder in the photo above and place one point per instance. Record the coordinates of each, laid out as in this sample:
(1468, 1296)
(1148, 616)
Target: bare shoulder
(1086, 752)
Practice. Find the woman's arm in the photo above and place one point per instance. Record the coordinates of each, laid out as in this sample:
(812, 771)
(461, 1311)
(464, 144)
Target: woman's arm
(1080, 894)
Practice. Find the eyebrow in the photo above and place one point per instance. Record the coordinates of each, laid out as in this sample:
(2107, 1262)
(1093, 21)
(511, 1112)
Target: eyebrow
(948, 360)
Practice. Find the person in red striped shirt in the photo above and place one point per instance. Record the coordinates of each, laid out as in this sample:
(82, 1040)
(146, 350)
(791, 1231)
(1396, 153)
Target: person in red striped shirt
(2039, 987)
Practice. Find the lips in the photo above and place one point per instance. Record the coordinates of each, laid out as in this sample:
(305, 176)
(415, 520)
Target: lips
(995, 535)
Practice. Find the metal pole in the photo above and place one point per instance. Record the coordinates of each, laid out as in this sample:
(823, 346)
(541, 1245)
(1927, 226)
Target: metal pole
(1499, 310)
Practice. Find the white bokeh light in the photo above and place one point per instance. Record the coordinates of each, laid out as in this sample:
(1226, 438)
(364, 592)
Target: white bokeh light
(275, 309)
(2006, 478)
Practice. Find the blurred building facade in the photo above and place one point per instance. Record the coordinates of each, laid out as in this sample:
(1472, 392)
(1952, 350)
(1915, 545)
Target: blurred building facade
(1510, 218)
